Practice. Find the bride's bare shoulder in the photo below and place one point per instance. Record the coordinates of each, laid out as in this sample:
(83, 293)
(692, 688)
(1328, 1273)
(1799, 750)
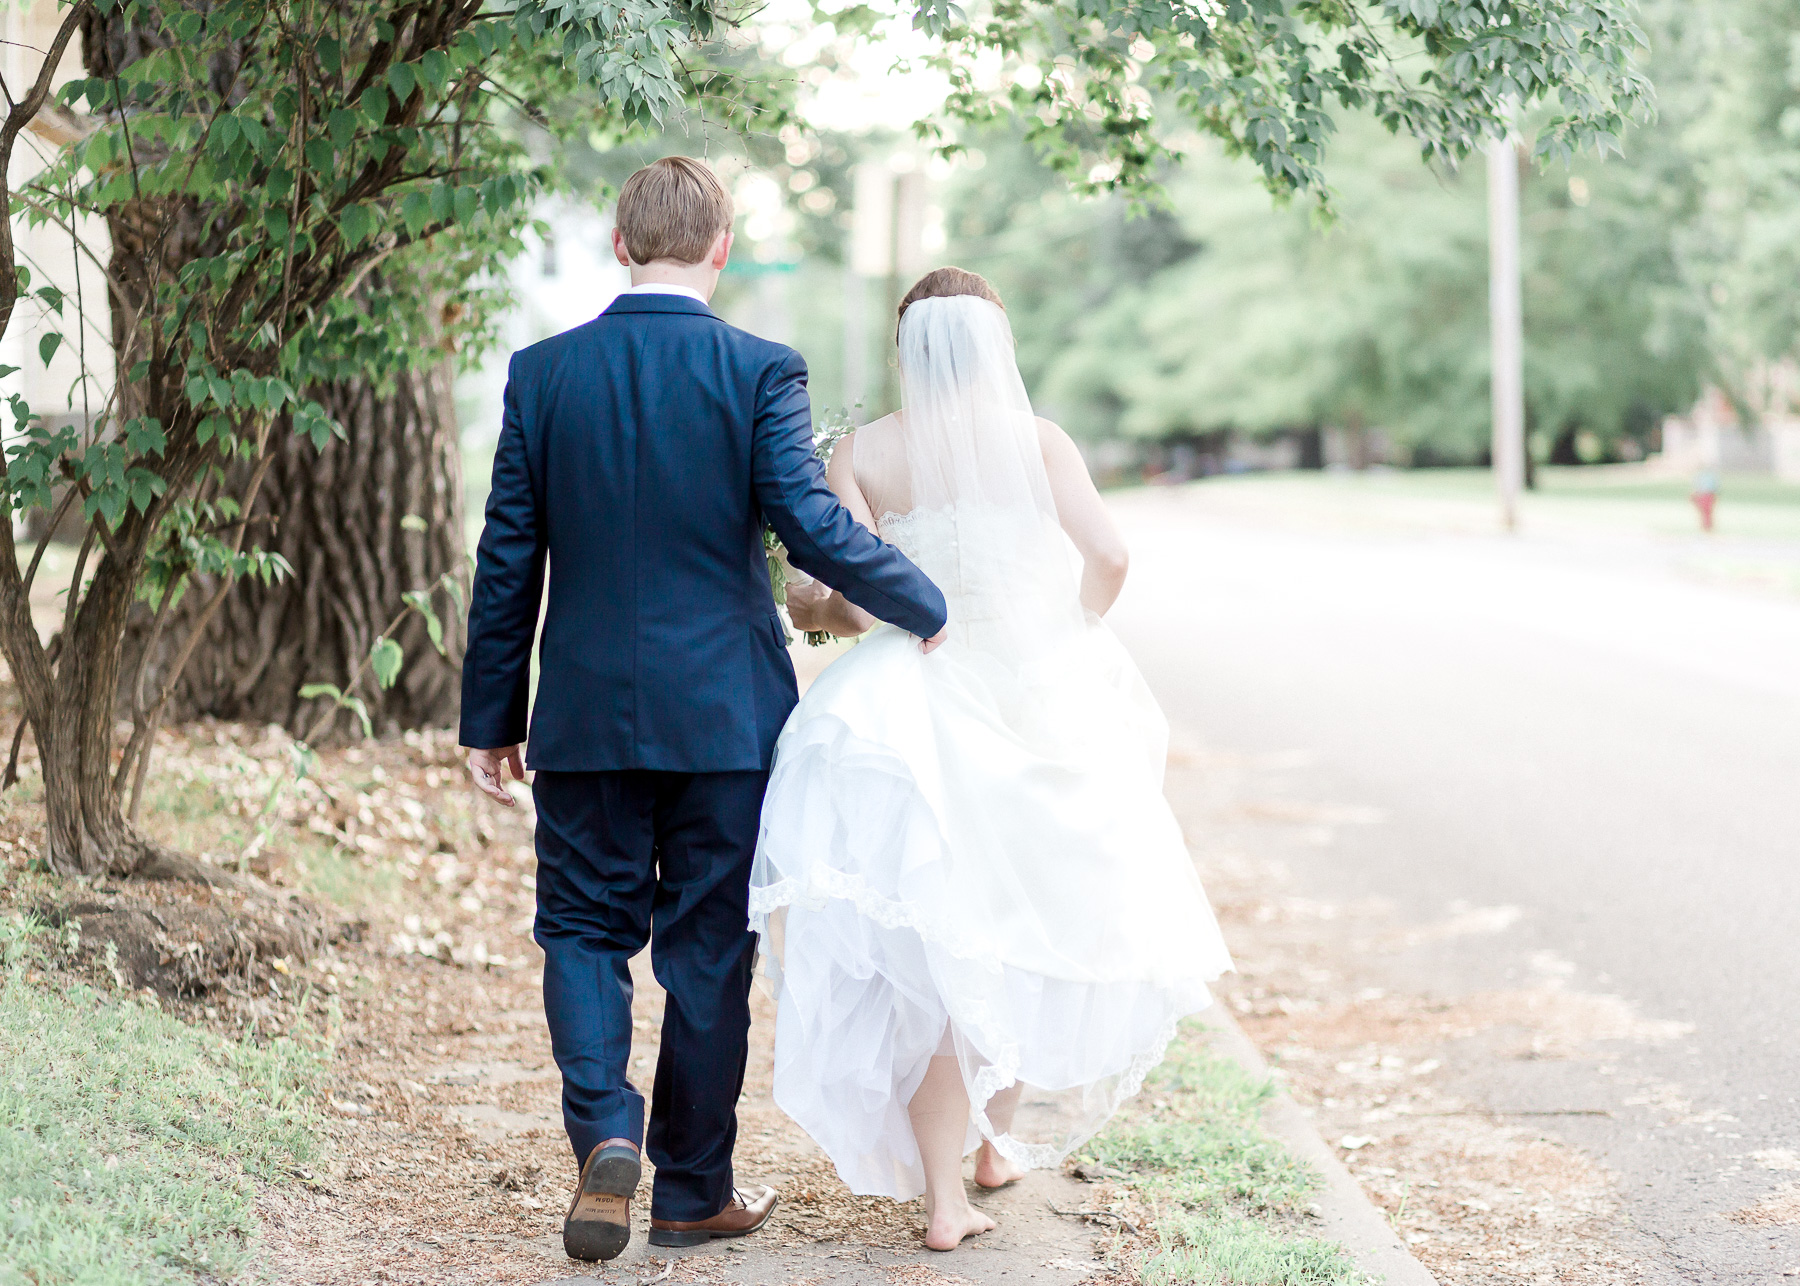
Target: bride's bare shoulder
(1055, 442)
(874, 434)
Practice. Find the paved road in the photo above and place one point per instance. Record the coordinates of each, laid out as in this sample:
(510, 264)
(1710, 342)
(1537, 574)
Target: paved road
(1570, 725)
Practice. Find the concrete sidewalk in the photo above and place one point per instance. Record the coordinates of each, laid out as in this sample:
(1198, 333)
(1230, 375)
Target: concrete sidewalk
(1043, 1236)
(1032, 1244)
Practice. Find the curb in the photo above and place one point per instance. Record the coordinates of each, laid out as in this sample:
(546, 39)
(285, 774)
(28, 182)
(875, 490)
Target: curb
(1346, 1213)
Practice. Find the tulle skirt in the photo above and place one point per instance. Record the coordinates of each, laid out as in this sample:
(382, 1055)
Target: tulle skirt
(970, 855)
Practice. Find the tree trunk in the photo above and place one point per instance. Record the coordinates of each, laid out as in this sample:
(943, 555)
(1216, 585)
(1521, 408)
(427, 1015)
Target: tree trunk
(337, 516)
(87, 831)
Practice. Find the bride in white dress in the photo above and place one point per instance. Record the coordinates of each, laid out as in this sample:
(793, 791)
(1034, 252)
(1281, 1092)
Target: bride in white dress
(977, 910)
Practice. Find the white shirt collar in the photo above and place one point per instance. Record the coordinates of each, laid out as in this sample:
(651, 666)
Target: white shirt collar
(665, 288)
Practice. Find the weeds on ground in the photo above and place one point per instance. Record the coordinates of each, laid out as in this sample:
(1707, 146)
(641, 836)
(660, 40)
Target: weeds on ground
(356, 830)
(130, 1142)
(1221, 1195)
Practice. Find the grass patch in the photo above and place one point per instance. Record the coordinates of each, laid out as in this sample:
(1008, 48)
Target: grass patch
(346, 880)
(131, 1143)
(1222, 1196)
(1232, 1250)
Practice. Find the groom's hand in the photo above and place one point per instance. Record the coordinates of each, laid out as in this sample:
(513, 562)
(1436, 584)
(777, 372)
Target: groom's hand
(930, 645)
(485, 765)
(806, 603)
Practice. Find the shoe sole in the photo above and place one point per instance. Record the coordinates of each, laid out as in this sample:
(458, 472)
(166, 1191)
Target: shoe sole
(671, 1238)
(599, 1225)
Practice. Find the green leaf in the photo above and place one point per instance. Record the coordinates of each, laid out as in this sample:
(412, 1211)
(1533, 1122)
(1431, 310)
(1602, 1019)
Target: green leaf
(341, 124)
(375, 104)
(385, 659)
(313, 421)
(51, 297)
(355, 705)
(306, 760)
(435, 65)
(401, 78)
(466, 201)
(144, 435)
(420, 601)
(415, 212)
(144, 487)
(443, 200)
(224, 135)
(357, 222)
(361, 711)
(47, 346)
(276, 221)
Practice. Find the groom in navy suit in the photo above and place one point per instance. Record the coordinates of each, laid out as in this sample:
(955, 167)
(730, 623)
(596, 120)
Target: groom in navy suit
(639, 457)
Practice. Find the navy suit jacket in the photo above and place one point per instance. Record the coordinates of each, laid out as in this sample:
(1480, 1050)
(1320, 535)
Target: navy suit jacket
(639, 455)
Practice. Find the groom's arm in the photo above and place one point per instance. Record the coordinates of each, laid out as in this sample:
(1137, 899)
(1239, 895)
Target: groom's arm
(509, 586)
(823, 539)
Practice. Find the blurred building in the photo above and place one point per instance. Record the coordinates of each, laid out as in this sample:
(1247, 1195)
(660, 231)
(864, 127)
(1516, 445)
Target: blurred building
(566, 276)
(74, 386)
(1762, 436)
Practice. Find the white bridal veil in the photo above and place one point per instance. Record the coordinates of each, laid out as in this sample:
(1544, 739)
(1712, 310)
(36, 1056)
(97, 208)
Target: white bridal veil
(960, 472)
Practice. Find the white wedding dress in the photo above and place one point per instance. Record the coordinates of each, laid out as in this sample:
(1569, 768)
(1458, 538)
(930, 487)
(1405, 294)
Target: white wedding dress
(969, 851)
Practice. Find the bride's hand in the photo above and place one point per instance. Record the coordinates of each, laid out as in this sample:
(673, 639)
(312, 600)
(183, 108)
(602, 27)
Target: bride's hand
(930, 645)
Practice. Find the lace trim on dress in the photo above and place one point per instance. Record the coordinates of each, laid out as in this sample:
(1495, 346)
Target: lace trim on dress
(885, 911)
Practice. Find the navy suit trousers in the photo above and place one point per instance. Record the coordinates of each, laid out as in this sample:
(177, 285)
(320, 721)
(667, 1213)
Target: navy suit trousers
(634, 857)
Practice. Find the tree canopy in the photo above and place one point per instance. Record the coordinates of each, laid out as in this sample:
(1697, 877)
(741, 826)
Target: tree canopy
(1093, 80)
(1646, 275)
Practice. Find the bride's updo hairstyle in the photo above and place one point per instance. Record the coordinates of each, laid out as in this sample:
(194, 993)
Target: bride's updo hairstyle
(946, 283)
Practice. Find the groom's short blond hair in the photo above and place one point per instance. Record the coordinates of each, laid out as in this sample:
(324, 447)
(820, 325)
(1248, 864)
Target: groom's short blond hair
(673, 209)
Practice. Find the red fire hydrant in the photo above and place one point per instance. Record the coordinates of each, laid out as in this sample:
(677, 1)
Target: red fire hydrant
(1705, 496)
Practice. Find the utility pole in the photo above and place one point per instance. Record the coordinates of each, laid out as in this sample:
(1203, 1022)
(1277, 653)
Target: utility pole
(887, 229)
(1506, 327)
(870, 257)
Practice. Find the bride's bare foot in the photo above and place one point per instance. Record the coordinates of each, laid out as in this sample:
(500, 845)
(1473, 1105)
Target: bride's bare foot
(993, 1170)
(953, 1221)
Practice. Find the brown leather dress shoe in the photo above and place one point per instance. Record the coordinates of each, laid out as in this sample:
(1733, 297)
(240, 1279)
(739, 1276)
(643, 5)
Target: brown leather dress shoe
(598, 1225)
(745, 1213)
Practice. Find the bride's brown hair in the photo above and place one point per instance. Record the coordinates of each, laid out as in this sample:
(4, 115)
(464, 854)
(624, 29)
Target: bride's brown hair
(945, 283)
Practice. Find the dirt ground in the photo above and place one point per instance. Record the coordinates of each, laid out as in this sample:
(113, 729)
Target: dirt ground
(445, 1159)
